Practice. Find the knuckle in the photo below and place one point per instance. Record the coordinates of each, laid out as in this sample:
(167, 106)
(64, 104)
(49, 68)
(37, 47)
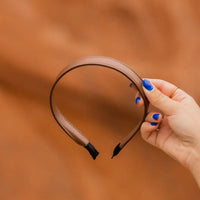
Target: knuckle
(143, 127)
(149, 115)
(142, 131)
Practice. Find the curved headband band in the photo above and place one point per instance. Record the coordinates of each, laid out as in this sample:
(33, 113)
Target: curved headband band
(73, 132)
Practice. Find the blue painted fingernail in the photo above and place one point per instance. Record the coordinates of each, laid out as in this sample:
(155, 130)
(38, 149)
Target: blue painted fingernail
(147, 84)
(154, 124)
(156, 116)
(137, 100)
(131, 84)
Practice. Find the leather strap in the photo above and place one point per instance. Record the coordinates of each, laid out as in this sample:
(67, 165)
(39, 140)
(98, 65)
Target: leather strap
(72, 131)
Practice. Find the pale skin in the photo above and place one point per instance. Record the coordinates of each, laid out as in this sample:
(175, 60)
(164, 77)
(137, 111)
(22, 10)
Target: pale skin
(176, 129)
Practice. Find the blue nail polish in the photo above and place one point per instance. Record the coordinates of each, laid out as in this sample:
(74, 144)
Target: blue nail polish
(147, 84)
(131, 84)
(154, 124)
(137, 100)
(156, 116)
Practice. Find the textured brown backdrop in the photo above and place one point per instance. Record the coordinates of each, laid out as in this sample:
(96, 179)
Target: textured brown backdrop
(158, 39)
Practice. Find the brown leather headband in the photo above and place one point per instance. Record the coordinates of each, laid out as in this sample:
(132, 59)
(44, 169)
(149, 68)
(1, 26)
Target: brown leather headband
(73, 132)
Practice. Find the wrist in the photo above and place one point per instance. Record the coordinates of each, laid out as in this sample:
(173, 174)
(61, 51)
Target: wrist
(193, 164)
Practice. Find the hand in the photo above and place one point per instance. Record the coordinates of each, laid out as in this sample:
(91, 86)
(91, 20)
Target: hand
(176, 129)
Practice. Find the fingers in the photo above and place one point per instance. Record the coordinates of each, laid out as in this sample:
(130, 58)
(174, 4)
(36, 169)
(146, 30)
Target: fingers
(159, 94)
(138, 100)
(164, 86)
(149, 133)
(154, 117)
(168, 88)
(149, 127)
(159, 99)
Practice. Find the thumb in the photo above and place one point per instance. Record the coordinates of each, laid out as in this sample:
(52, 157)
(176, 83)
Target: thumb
(158, 99)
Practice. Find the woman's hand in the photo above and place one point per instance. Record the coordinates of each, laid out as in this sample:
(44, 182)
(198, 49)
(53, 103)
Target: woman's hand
(176, 129)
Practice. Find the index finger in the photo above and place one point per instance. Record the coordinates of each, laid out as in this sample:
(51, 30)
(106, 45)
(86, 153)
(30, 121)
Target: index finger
(168, 88)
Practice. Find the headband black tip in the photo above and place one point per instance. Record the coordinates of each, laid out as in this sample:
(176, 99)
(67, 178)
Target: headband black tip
(91, 149)
(116, 150)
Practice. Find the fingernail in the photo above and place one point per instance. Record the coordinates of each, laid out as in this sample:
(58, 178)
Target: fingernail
(137, 100)
(156, 116)
(147, 84)
(130, 85)
(154, 124)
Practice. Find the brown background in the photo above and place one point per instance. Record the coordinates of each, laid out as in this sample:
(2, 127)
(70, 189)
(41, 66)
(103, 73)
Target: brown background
(158, 39)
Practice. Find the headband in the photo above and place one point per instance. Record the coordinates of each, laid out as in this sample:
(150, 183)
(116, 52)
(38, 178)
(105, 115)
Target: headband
(72, 131)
